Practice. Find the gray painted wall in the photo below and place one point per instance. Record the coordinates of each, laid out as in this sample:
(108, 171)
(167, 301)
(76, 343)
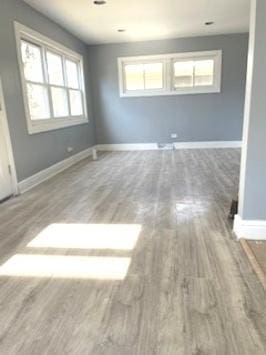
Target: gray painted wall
(39, 151)
(204, 117)
(253, 169)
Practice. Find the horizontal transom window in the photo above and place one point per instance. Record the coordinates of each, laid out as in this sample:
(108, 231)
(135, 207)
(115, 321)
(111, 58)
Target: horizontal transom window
(52, 81)
(170, 74)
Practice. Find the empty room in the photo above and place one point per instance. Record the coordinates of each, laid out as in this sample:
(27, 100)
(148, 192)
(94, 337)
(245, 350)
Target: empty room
(132, 177)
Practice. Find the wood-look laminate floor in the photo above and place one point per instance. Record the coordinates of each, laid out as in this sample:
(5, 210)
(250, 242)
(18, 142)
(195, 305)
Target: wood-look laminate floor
(149, 264)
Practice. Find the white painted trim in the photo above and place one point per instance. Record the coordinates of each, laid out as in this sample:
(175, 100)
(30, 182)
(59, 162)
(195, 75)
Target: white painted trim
(247, 109)
(53, 170)
(37, 126)
(127, 147)
(181, 145)
(168, 60)
(8, 143)
(147, 58)
(35, 35)
(249, 229)
(206, 145)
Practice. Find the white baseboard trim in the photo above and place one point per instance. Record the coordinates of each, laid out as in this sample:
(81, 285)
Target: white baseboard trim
(127, 147)
(206, 145)
(177, 145)
(53, 170)
(249, 229)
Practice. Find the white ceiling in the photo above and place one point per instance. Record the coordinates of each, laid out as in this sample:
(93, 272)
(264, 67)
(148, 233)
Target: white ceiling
(145, 19)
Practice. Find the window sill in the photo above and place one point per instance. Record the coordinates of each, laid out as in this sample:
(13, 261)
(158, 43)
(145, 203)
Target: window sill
(45, 126)
(202, 90)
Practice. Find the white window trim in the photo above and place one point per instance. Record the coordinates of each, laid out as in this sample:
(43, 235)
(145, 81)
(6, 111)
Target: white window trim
(37, 126)
(168, 59)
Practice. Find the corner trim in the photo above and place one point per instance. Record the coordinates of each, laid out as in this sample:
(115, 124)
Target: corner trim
(43, 175)
(177, 145)
(249, 229)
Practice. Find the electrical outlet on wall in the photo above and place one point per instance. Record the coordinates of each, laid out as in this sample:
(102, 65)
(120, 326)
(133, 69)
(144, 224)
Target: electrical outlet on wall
(173, 135)
(70, 149)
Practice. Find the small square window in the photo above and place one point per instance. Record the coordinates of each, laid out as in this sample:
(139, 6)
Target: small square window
(147, 76)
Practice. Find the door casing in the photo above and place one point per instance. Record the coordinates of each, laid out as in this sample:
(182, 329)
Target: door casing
(10, 155)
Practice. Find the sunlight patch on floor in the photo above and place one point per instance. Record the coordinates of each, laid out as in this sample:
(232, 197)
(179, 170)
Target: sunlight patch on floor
(73, 267)
(188, 209)
(88, 236)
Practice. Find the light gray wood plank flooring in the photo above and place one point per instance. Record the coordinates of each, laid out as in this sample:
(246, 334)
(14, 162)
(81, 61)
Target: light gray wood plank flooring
(189, 288)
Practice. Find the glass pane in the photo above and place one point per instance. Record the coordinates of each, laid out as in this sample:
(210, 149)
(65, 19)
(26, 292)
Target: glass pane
(72, 74)
(59, 99)
(134, 76)
(75, 103)
(55, 69)
(204, 70)
(153, 75)
(38, 102)
(32, 61)
(183, 74)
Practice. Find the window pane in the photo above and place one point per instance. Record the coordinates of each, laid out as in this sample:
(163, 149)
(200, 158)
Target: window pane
(153, 75)
(134, 76)
(183, 74)
(59, 99)
(75, 103)
(38, 102)
(32, 61)
(55, 69)
(204, 70)
(72, 74)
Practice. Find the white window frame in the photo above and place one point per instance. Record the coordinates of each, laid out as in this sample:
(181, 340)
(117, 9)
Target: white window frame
(168, 73)
(36, 126)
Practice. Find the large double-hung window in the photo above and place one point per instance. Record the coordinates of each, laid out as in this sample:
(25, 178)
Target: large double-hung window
(52, 82)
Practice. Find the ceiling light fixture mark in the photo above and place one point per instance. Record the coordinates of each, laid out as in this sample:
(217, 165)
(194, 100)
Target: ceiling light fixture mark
(99, 2)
